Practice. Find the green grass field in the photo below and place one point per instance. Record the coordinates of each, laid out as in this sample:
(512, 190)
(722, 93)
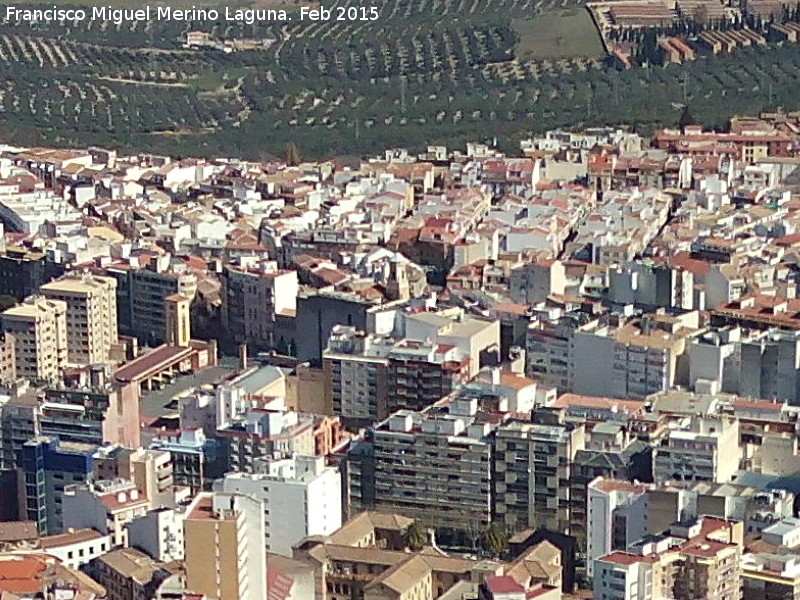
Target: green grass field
(558, 34)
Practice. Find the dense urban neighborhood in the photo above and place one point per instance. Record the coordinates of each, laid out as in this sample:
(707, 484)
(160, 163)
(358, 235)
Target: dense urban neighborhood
(568, 372)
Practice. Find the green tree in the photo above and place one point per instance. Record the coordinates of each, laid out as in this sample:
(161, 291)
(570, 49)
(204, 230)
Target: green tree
(415, 537)
(687, 118)
(495, 539)
(292, 154)
(6, 301)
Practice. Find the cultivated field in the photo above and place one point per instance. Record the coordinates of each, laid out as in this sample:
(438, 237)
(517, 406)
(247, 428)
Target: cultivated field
(428, 71)
(558, 34)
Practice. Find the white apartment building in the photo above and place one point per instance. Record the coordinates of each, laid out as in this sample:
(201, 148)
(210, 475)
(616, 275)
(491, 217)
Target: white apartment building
(159, 533)
(630, 360)
(704, 450)
(763, 364)
(616, 517)
(301, 497)
(623, 576)
(77, 547)
(616, 356)
(39, 327)
(91, 315)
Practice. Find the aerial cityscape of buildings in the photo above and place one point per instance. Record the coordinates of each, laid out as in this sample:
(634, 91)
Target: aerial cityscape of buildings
(570, 373)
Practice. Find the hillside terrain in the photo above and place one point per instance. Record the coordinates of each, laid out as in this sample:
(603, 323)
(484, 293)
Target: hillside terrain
(427, 71)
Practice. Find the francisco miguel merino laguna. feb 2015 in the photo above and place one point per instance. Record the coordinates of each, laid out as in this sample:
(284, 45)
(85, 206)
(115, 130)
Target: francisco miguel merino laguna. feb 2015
(118, 16)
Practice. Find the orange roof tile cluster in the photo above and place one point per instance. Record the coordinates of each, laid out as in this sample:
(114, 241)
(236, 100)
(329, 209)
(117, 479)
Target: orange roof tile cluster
(22, 575)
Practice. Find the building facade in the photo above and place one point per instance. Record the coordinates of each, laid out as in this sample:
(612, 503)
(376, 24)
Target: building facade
(254, 298)
(48, 467)
(141, 295)
(91, 315)
(225, 556)
(301, 497)
(533, 466)
(429, 466)
(39, 327)
(707, 451)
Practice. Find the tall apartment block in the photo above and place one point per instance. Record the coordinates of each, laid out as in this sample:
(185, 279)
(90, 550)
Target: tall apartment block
(420, 373)
(19, 422)
(321, 311)
(49, 466)
(356, 387)
(753, 364)
(695, 560)
(610, 452)
(355, 376)
(141, 295)
(22, 271)
(39, 327)
(263, 433)
(8, 358)
(189, 454)
(225, 556)
(301, 497)
(633, 358)
(91, 315)
(532, 470)
(707, 450)
(369, 377)
(617, 517)
(434, 466)
(548, 346)
(610, 356)
(256, 297)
